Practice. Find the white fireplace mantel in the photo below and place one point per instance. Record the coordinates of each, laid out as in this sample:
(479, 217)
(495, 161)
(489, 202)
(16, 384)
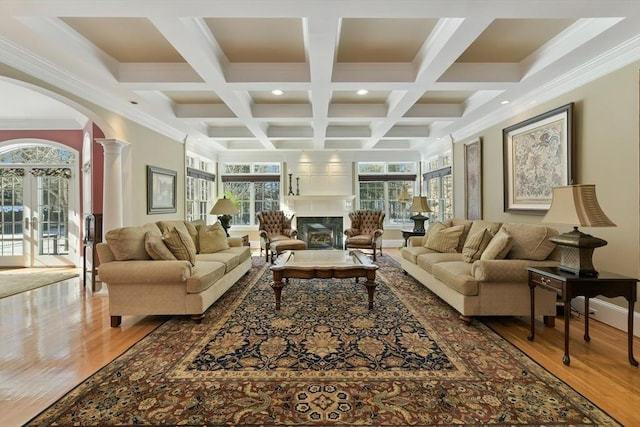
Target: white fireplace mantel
(320, 205)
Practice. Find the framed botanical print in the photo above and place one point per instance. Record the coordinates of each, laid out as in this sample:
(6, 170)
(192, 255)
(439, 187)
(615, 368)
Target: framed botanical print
(473, 179)
(537, 156)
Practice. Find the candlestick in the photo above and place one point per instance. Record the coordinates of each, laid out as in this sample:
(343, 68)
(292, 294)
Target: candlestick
(297, 185)
(290, 185)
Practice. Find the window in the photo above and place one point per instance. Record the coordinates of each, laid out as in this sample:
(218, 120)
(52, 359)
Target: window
(439, 188)
(200, 184)
(380, 187)
(253, 187)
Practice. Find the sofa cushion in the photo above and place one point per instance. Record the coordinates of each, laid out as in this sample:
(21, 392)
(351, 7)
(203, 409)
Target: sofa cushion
(499, 246)
(204, 275)
(180, 244)
(156, 248)
(456, 275)
(445, 239)
(530, 241)
(411, 253)
(243, 252)
(212, 238)
(476, 244)
(227, 257)
(127, 243)
(427, 261)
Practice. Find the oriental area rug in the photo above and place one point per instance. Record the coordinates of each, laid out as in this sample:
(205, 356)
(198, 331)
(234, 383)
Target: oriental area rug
(324, 359)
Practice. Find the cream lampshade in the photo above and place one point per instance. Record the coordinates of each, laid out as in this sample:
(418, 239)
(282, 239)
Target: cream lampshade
(404, 197)
(577, 205)
(419, 205)
(224, 208)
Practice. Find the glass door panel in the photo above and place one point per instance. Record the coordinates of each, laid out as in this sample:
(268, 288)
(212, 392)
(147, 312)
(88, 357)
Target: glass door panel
(12, 217)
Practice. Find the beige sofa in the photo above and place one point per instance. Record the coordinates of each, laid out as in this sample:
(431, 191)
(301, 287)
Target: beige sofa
(169, 268)
(479, 267)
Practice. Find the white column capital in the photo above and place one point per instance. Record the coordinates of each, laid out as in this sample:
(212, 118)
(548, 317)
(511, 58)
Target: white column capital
(112, 145)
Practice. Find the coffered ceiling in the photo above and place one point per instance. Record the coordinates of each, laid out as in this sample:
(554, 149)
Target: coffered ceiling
(204, 71)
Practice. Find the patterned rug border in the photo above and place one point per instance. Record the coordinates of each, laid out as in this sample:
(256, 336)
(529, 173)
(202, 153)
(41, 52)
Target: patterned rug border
(596, 414)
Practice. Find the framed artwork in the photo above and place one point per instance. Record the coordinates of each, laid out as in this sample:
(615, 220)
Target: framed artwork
(473, 178)
(161, 190)
(537, 157)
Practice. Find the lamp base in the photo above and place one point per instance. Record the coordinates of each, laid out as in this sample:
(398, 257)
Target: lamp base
(224, 221)
(576, 252)
(418, 223)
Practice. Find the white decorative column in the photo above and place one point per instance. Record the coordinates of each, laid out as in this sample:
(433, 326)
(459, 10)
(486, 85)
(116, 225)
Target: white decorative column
(112, 198)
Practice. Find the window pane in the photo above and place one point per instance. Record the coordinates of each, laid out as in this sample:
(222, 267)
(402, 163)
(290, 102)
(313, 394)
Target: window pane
(370, 168)
(401, 167)
(399, 210)
(240, 193)
(372, 195)
(267, 196)
(230, 168)
(270, 168)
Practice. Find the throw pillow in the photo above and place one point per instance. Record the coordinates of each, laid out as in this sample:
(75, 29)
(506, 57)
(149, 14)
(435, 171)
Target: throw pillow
(476, 244)
(212, 239)
(433, 228)
(445, 240)
(180, 245)
(499, 246)
(127, 243)
(156, 248)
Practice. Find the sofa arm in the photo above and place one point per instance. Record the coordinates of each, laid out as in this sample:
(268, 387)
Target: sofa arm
(234, 241)
(506, 270)
(377, 233)
(414, 241)
(122, 272)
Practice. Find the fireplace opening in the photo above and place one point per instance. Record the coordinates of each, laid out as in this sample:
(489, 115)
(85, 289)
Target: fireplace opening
(320, 232)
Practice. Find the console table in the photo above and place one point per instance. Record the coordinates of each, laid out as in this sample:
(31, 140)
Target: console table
(92, 236)
(569, 285)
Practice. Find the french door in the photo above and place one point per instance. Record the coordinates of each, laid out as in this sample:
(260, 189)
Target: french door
(37, 226)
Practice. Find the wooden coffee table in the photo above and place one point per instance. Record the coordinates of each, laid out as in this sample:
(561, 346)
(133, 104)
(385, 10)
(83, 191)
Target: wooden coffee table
(323, 264)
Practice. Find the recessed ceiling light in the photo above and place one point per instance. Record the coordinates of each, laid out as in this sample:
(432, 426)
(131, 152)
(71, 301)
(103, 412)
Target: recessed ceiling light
(506, 101)
(277, 92)
(362, 92)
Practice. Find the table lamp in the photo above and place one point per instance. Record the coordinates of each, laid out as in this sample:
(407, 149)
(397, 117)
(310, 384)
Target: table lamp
(404, 197)
(577, 205)
(223, 209)
(419, 205)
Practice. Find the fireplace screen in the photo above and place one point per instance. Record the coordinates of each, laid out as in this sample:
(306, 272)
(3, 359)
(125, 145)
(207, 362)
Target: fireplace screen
(321, 232)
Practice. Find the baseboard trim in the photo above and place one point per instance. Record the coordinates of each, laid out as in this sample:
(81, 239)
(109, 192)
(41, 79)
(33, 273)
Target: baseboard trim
(610, 314)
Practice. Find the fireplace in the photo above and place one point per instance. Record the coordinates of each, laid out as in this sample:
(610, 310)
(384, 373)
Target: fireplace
(321, 232)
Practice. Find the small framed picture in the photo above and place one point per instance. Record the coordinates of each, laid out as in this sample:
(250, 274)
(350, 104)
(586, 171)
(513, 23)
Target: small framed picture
(161, 190)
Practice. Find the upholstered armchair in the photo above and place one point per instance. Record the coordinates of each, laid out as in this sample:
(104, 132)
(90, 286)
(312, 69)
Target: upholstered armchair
(274, 225)
(365, 231)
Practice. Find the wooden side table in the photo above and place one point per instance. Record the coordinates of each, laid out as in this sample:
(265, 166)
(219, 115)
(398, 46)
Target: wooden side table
(408, 233)
(569, 285)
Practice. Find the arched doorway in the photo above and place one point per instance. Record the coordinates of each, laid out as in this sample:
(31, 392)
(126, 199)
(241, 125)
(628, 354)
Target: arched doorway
(39, 221)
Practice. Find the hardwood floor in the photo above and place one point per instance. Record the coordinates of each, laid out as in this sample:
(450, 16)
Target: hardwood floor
(53, 338)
